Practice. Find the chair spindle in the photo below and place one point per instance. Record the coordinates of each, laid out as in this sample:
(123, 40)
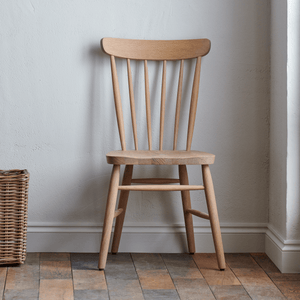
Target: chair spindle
(163, 105)
(178, 105)
(148, 107)
(132, 105)
(118, 103)
(193, 105)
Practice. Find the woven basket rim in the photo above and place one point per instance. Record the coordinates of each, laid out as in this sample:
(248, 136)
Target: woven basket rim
(13, 173)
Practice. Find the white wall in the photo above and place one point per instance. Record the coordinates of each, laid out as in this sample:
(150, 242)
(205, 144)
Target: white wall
(278, 117)
(57, 116)
(283, 235)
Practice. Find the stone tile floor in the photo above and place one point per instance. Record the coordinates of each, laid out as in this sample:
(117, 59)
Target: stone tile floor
(133, 276)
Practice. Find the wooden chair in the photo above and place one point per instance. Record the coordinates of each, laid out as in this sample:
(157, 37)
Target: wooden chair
(148, 50)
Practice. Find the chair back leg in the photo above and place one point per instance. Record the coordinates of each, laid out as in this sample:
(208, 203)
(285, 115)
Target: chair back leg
(109, 215)
(122, 205)
(213, 213)
(186, 203)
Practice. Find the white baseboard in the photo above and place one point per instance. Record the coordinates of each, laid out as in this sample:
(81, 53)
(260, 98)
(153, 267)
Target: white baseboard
(143, 237)
(284, 253)
(161, 238)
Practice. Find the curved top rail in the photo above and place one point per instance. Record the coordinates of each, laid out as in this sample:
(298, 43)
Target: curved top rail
(156, 49)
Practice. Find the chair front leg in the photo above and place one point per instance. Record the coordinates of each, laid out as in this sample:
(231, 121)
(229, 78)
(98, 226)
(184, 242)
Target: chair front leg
(122, 204)
(213, 213)
(109, 215)
(186, 203)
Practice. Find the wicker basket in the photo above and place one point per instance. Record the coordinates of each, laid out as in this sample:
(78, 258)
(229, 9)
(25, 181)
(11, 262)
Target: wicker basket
(13, 216)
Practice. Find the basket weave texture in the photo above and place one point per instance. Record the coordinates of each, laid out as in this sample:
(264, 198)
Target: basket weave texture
(13, 215)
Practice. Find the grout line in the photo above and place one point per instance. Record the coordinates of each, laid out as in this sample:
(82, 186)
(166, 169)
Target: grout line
(228, 266)
(39, 260)
(70, 254)
(269, 276)
(137, 274)
(204, 278)
(170, 275)
(4, 287)
(108, 294)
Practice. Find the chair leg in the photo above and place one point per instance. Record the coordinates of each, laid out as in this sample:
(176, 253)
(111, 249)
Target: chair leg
(109, 215)
(122, 204)
(213, 213)
(186, 203)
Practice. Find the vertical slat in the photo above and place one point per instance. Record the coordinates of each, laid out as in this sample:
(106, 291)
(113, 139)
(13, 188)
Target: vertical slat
(162, 107)
(148, 107)
(178, 105)
(132, 105)
(193, 106)
(118, 103)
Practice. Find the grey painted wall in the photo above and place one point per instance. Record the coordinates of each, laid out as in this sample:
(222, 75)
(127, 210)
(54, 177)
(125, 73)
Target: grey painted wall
(57, 116)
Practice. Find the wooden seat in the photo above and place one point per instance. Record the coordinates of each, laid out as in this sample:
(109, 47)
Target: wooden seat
(143, 50)
(165, 157)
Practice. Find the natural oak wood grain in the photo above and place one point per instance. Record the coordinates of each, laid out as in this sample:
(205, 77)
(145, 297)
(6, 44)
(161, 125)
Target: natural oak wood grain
(109, 215)
(155, 180)
(193, 106)
(148, 107)
(156, 50)
(161, 187)
(122, 205)
(214, 217)
(155, 157)
(163, 106)
(132, 105)
(186, 204)
(118, 103)
(178, 105)
(198, 213)
(118, 212)
(161, 51)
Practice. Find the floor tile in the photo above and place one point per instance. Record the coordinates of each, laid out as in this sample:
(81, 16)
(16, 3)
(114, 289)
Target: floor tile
(208, 265)
(290, 289)
(91, 295)
(265, 262)
(120, 289)
(32, 258)
(55, 270)
(89, 280)
(241, 260)
(23, 277)
(155, 279)
(230, 292)
(84, 261)
(264, 292)
(255, 277)
(284, 276)
(120, 266)
(45, 256)
(258, 284)
(3, 272)
(58, 289)
(161, 295)
(193, 289)
(21, 295)
(181, 266)
(148, 261)
(206, 261)
(217, 277)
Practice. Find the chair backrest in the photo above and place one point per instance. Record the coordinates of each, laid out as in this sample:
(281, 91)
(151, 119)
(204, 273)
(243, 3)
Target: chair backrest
(157, 50)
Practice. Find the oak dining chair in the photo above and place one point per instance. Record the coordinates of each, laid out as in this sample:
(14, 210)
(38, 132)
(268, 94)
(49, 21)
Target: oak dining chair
(163, 51)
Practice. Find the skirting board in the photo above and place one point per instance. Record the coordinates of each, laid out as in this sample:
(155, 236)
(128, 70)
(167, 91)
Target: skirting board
(284, 253)
(46, 237)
